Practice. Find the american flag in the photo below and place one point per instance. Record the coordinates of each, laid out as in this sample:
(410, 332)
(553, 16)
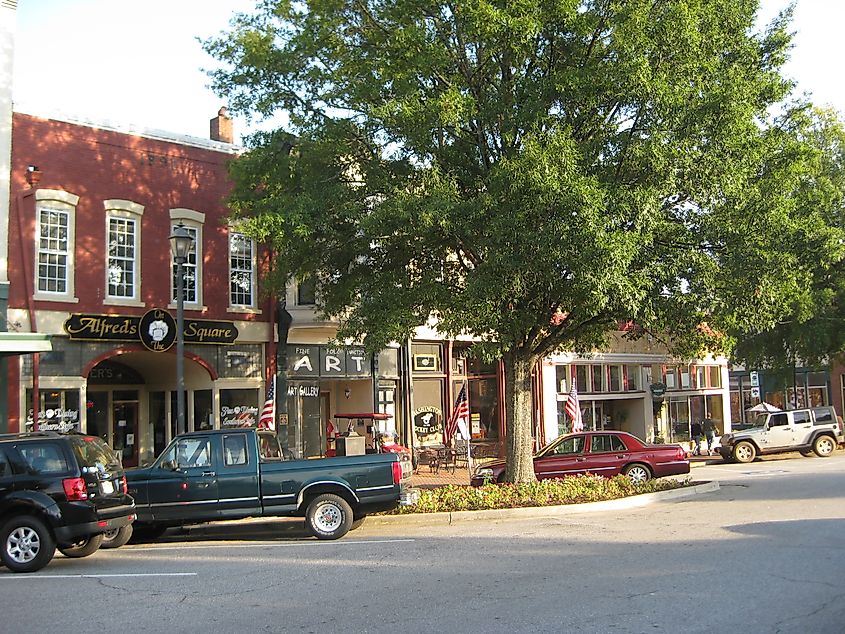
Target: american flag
(267, 420)
(573, 410)
(461, 411)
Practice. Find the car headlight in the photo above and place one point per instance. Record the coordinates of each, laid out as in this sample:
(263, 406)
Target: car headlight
(483, 473)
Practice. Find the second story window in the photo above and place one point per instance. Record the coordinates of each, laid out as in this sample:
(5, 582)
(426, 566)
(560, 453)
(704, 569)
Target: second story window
(53, 250)
(123, 255)
(189, 270)
(192, 221)
(241, 270)
(54, 245)
(306, 292)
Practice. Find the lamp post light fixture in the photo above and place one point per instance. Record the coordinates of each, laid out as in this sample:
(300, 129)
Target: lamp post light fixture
(180, 245)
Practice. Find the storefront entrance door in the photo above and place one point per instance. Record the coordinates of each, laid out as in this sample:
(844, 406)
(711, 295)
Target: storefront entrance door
(125, 431)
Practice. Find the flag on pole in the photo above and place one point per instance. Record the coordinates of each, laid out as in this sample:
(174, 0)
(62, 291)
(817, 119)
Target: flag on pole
(573, 410)
(460, 413)
(267, 420)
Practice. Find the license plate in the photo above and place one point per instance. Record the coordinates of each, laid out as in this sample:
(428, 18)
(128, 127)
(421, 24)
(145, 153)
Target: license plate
(108, 487)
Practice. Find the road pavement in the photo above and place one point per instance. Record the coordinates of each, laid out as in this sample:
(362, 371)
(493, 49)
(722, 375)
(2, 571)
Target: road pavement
(763, 553)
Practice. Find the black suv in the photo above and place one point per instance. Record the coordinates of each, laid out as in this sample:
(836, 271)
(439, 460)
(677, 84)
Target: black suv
(59, 490)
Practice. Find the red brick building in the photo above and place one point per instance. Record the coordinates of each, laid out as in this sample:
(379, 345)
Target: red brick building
(91, 210)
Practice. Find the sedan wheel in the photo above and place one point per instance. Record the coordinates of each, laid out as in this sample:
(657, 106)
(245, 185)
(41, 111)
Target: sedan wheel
(824, 446)
(638, 473)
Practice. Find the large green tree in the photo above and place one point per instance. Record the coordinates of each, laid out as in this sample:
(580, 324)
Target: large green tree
(812, 331)
(527, 172)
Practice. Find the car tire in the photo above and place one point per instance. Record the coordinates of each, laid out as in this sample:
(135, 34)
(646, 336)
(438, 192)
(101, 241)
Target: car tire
(82, 548)
(357, 522)
(328, 516)
(744, 452)
(27, 544)
(117, 538)
(824, 446)
(638, 473)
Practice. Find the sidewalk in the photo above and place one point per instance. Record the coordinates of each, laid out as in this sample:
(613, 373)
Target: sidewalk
(424, 478)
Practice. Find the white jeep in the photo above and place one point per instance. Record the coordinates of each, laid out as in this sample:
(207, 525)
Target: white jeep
(815, 430)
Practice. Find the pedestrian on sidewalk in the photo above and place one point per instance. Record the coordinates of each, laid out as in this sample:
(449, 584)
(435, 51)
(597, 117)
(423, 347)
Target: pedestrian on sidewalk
(695, 435)
(710, 430)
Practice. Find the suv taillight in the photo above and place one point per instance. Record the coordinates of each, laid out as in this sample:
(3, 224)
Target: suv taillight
(124, 486)
(397, 472)
(75, 489)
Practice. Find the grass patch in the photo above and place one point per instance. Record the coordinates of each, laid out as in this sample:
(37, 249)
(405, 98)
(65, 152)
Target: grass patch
(569, 490)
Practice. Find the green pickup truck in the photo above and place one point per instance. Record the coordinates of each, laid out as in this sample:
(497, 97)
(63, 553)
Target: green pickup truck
(237, 473)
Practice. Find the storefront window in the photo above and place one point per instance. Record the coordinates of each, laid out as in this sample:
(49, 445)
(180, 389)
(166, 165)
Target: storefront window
(615, 378)
(484, 408)
(597, 379)
(203, 410)
(426, 357)
(158, 418)
(428, 411)
(58, 411)
(238, 408)
(582, 378)
(633, 377)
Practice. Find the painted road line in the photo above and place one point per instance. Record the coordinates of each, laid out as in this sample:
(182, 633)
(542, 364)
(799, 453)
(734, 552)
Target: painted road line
(103, 576)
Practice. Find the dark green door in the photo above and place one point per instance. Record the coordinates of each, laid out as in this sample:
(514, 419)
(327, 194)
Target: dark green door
(183, 482)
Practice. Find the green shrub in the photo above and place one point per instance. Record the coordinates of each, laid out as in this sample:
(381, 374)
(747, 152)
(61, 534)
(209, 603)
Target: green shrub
(569, 490)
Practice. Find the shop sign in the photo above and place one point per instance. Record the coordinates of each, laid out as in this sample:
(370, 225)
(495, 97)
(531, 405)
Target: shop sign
(328, 361)
(426, 420)
(238, 416)
(156, 329)
(304, 390)
(61, 420)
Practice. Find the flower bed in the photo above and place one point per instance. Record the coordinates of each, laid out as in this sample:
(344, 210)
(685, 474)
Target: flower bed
(569, 490)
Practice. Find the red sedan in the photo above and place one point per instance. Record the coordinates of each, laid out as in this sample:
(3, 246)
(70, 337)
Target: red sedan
(605, 453)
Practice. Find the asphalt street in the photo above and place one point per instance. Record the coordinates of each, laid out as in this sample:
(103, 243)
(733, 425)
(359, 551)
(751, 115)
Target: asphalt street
(763, 553)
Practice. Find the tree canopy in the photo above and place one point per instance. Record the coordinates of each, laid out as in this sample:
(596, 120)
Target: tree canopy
(530, 173)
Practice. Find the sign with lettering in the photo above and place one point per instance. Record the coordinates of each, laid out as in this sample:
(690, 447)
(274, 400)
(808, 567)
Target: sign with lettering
(328, 361)
(156, 329)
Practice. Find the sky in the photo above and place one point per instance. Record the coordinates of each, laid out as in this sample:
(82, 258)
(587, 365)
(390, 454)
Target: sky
(139, 63)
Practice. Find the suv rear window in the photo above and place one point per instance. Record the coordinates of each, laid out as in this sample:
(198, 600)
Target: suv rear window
(91, 451)
(44, 457)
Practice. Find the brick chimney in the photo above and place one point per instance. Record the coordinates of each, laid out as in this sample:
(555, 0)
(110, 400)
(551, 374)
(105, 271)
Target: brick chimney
(221, 127)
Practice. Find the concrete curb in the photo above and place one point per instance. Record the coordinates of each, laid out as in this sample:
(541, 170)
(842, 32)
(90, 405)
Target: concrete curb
(543, 511)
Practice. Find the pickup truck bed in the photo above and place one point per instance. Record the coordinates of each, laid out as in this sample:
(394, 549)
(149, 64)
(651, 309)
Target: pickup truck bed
(239, 473)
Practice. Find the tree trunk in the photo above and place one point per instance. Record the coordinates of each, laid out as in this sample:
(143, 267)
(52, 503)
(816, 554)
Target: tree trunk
(519, 408)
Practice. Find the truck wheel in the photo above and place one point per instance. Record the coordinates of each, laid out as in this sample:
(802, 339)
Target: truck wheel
(117, 538)
(329, 516)
(357, 522)
(638, 473)
(744, 452)
(824, 446)
(82, 548)
(27, 544)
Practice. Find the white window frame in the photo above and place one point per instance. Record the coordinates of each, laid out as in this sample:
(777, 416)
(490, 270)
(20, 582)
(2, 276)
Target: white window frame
(65, 203)
(124, 210)
(251, 306)
(193, 220)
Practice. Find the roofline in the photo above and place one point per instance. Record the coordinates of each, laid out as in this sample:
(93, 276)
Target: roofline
(129, 128)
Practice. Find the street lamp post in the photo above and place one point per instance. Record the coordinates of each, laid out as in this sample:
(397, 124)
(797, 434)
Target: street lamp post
(180, 244)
